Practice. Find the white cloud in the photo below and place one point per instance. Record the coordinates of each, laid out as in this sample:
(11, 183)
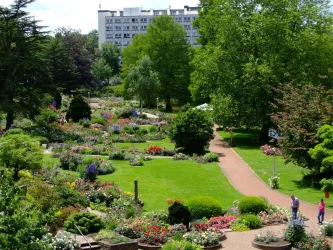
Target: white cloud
(82, 14)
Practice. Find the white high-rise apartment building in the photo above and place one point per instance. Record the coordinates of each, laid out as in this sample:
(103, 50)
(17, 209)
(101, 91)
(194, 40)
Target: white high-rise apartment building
(121, 26)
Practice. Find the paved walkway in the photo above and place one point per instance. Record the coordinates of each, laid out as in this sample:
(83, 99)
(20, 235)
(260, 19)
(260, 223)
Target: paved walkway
(245, 180)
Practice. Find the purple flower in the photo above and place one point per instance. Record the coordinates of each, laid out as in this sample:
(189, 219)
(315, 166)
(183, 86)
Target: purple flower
(91, 168)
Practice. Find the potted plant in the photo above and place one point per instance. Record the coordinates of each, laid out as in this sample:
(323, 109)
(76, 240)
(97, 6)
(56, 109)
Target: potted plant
(326, 186)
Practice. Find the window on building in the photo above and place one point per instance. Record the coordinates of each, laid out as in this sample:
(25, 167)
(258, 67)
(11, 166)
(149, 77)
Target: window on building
(143, 20)
(135, 27)
(117, 20)
(143, 27)
(187, 19)
(117, 35)
(127, 36)
(118, 28)
(135, 20)
(127, 20)
(150, 20)
(126, 27)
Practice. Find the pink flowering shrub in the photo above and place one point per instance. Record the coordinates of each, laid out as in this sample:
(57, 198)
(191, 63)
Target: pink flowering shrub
(268, 150)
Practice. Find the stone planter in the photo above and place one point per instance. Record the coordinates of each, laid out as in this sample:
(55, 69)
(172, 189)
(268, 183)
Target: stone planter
(148, 247)
(133, 245)
(213, 247)
(280, 245)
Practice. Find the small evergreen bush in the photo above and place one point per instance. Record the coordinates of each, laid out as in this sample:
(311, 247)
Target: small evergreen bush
(250, 220)
(251, 205)
(78, 109)
(178, 213)
(86, 222)
(117, 155)
(202, 206)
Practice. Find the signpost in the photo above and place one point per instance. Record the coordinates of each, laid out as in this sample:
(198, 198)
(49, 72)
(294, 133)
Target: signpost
(274, 134)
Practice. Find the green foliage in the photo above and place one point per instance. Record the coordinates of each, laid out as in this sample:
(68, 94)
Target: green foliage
(64, 213)
(14, 131)
(117, 155)
(111, 236)
(295, 232)
(250, 220)
(251, 205)
(78, 109)
(21, 44)
(300, 114)
(211, 157)
(203, 206)
(327, 228)
(243, 59)
(45, 196)
(19, 222)
(70, 197)
(99, 120)
(143, 82)
(86, 222)
(137, 161)
(102, 72)
(110, 53)
(322, 153)
(192, 131)
(180, 245)
(178, 213)
(20, 152)
(46, 116)
(125, 112)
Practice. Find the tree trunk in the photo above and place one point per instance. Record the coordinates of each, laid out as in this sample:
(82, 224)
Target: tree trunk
(57, 99)
(168, 107)
(263, 137)
(9, 119)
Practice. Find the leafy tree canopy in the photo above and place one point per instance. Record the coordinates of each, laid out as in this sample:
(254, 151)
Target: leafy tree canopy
(19, 151)
(249, 46)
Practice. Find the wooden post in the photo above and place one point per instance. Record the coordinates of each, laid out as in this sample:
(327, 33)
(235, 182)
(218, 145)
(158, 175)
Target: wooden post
(136, 200)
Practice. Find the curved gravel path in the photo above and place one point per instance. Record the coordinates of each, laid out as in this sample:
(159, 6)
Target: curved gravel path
(245, 180)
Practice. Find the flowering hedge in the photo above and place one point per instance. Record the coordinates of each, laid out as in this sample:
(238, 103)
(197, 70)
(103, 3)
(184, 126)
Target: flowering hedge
(268, 150)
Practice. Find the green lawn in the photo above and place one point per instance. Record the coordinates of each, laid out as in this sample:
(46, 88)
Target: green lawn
(162, 179)
(145, 145)
(290, 174)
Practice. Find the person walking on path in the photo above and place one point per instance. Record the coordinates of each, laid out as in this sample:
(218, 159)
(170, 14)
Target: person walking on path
(294, 204)
(321, 212)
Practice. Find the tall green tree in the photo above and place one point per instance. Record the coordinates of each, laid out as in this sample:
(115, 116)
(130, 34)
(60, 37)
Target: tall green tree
(76, 46)
(101, 71)
(61, 67)
(143, 82)
(249, 46)
(167, 47)
(92, 42)
(110, 53)
(23, 78)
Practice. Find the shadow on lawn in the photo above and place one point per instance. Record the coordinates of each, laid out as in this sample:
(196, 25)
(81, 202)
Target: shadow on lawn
(244, 138)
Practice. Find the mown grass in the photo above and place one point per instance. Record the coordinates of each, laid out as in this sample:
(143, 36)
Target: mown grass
(247, 146)
(163, 178)
(166, 143)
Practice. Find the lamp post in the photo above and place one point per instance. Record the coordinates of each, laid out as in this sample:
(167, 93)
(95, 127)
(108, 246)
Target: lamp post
(89, 97)
(274, 164)
(157, 104)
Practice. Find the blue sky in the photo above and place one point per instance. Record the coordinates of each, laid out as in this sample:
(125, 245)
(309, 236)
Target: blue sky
(82, 14)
